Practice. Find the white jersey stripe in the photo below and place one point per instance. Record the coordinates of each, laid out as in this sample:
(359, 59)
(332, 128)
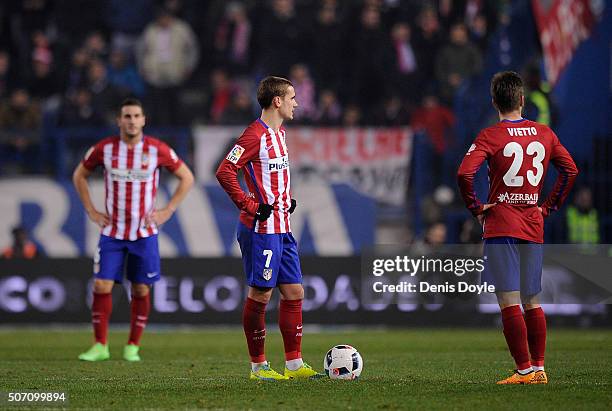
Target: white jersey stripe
(135, 223)
(156, 186)
(288, 187)
(265, 180)
(280, 183)
(121, 206)
(148, 198)
(108, 154)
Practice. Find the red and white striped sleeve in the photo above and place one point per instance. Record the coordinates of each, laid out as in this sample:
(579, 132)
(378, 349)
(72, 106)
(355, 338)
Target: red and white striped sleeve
(245, 150)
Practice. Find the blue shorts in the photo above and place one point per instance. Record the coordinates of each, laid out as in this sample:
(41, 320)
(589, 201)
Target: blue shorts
(512, 264)
(143, 264)
(269, 259)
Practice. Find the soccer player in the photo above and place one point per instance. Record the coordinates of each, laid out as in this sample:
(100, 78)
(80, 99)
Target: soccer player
(269, 251)
(129, 224)
(518, 152)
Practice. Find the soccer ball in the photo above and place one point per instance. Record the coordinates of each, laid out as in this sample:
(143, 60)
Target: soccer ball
(343, 362)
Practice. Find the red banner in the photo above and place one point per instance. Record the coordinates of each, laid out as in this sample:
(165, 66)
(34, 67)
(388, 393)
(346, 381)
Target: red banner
(563, 25)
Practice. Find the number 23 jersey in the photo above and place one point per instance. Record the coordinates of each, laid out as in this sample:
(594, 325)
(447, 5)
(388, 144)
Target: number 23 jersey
(518, 154)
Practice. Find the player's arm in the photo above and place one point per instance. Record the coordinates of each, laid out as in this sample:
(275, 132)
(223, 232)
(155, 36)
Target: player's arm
(79, 179)
(245, 150)
(565, 165)
(476, 155)
(176, 166)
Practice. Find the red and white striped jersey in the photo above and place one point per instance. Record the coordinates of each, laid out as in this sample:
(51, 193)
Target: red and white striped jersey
(263, 154)
(131, 178)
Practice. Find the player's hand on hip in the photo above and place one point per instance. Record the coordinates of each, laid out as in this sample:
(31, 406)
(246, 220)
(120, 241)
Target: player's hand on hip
(293, 206)
(158, 217)
(485, 208)
(101, 219)
(263, 212)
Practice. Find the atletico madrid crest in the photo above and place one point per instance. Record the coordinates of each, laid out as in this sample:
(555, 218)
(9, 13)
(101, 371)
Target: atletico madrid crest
(267, 273)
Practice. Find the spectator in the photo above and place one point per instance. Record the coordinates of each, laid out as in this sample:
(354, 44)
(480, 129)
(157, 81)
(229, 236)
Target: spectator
(77, 72)
(240, 111)
(479, 34)
(220, 96)
(79, 111)
(123, 75)
(393, 113)
(167, 54)
(582, 219)
(427, 41)
(406, 76)
(8, 77)
(279, 40)
(456, 61)
(22, 247)
(43, 82)
(437, 122)
(328, 47)
(304, 93)
(369, 62)
(329, 112)
(539, 105)
(233, 37)
(352, 116)
(95, 46)
(20, 121)
(434, 237)
(103, 95)
(126, 20)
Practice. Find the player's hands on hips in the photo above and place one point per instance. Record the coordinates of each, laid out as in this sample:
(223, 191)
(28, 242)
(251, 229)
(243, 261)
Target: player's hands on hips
(263, 212)
(158, 217)
(485, 207)
(101, 219)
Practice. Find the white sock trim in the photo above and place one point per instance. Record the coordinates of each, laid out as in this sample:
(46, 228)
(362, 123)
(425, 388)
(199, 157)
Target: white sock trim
(293, 365)
(525, 371)
(537, 368)
(255, 366)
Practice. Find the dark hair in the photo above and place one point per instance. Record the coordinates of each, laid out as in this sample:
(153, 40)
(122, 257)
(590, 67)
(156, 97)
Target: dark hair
(271, 87)
(130, 101)
(506, 90)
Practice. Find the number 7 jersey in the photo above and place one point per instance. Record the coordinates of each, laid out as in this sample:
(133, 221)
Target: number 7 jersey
(518, 154)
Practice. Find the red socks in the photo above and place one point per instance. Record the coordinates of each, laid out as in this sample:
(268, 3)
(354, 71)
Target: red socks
(101, 309)
(290, 324)
(536, 335)
(515, 332)
(140, 315)
(254, 323)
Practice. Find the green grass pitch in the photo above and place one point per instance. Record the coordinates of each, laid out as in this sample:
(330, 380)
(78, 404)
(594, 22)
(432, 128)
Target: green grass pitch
(411, 369)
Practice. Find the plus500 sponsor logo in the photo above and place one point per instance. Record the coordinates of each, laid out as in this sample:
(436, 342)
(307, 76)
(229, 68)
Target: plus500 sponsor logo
(278, 164)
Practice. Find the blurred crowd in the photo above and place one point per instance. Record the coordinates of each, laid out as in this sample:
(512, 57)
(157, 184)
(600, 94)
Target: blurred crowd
(369, 62)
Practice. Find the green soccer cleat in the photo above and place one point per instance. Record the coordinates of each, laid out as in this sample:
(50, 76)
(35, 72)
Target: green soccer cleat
(98, 352)
(304, 372)
(265, 373)
(130, 353)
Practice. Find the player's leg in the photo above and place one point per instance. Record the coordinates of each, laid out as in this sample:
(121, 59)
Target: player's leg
(108, 269)
(290, 311)
(502, 269)
(260, 258)
(531, 286)
(143, 269)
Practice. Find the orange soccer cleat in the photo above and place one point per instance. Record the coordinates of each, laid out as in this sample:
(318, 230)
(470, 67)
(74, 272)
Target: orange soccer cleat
(517, 378)
(540, 377)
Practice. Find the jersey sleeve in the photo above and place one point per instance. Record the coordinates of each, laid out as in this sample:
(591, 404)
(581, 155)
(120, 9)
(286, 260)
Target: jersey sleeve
(245, 150)
(167, 158)
(94, 157)
(565, 165)
(478, 152)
